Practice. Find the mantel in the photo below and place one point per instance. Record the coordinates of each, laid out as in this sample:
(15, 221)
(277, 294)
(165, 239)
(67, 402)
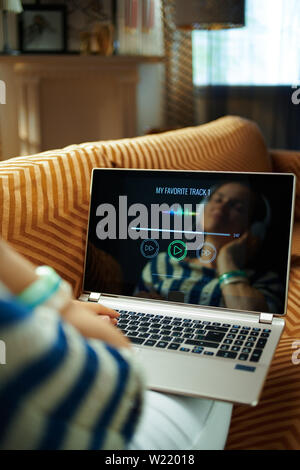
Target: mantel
(71, 98)
(78, 59)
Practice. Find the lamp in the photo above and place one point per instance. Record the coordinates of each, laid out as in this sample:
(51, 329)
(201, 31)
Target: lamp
(14, 6)
(209, 14)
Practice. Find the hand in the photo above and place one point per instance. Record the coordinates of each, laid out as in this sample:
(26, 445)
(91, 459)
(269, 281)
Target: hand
(236, 254)
(88, 319)
(17, 273)
(104, 313)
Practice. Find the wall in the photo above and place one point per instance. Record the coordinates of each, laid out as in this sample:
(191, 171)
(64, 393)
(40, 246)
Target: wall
(8, 116)
(149, 101)
(62, 101)
(150, 97)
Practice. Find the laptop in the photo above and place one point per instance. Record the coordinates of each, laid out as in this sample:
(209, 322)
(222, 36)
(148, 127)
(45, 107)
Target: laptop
(197, 264)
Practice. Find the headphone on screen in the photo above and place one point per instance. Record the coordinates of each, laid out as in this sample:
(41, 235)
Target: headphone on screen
(259, 227)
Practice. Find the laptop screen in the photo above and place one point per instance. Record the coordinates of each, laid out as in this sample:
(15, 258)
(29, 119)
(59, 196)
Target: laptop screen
(215, 239)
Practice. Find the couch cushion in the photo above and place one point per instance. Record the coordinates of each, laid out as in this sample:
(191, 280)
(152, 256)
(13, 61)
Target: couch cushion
(296, 241)
(227, 144)
(274, 424)
(44, 201)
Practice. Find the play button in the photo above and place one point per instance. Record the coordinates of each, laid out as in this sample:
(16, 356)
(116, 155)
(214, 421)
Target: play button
(177, 250)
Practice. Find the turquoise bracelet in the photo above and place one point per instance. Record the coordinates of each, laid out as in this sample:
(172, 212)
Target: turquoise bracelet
(42, 289)
(229, 274)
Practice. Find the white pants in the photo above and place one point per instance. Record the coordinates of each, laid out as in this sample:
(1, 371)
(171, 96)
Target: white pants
(173, 422)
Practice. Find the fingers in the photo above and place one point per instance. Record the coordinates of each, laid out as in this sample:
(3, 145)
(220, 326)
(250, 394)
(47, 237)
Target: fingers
(104, 318)
(253, 240)
(102, 310)
(250, 242)
(243, 238)
(99, 309)
(105, 313)
(247, 238)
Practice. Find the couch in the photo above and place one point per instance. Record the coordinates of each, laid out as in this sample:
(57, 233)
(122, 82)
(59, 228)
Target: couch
(44, 202)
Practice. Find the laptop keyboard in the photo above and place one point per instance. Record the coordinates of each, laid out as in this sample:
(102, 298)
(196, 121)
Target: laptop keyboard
(194, 336)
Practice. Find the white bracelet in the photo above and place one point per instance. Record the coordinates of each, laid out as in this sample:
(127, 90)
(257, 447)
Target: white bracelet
(61, 298)
(48, 289)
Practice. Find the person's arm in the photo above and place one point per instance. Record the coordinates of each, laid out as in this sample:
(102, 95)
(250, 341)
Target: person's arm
(241, 295)
(17, 274)
(80, 393)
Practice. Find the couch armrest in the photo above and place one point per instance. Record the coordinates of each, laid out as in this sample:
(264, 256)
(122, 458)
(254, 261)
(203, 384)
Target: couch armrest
(274, 423)
(296, 240)
(288, 161)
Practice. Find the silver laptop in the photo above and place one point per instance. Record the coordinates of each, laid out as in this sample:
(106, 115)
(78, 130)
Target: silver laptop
(197, 264)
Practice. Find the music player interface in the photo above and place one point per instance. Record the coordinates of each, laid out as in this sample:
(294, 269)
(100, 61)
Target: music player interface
(149, 248)
(203, 238)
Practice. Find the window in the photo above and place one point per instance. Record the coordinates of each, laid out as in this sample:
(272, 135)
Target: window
(264, 52)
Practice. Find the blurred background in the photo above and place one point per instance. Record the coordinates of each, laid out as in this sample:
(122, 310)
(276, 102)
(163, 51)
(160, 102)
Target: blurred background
(76, 71)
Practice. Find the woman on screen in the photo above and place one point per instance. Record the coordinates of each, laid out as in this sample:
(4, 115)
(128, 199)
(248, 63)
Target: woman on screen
(221, 273)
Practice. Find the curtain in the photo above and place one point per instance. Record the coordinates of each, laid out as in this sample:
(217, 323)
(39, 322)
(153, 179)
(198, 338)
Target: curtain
(264, 52)
(247, 71)
(250, 71)
(179, 87)
(271, 107)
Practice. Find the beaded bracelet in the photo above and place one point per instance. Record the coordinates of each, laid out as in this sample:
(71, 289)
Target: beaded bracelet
(49, 290)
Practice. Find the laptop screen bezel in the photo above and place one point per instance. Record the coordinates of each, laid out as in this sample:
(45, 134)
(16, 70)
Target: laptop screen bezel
(98, 170)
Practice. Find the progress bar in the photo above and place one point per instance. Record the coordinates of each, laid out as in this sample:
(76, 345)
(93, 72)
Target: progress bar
(180, 231)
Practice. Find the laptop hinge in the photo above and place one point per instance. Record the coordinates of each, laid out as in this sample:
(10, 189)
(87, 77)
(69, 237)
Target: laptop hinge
(266, 318)
(90, 297)
(94, 297)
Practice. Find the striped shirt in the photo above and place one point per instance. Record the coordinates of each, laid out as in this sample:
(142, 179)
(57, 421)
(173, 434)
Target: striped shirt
(59, 390)
(199, 284)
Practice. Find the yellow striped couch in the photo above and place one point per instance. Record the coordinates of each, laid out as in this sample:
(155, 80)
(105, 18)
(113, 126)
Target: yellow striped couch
(44, 203)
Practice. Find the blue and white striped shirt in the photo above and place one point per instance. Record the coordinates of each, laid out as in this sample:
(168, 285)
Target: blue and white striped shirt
(61, 391)
(199, 284)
